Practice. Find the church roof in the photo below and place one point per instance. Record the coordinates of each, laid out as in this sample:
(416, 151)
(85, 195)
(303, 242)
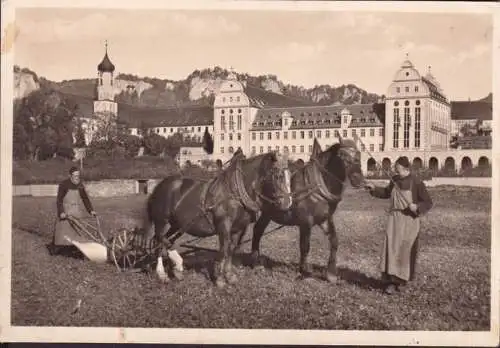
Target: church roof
(261, 98)
(105, 65)
(466, 110)
(363, 115)
(136, 117)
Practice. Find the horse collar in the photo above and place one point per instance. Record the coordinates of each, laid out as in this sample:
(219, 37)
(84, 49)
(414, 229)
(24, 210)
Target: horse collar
(316, 169)
(242, 192)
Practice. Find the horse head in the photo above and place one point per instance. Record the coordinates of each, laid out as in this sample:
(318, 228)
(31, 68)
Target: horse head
(344, 160)
(270, 177)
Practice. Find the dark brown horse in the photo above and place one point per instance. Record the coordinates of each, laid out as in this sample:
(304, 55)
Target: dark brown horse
(317, 189)
(225, 205)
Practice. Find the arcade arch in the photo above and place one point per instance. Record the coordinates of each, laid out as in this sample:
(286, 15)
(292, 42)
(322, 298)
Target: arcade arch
(371, 164)
(386, 163)
(417, 163)
(449, 163)
(466, 163)
(483, 162)
(433, 164)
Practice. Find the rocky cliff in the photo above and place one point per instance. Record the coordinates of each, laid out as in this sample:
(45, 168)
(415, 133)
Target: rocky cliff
(199, 87)
(25, 82)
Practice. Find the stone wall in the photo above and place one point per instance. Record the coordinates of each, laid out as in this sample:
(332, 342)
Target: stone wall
(474, 182)
(113, 188)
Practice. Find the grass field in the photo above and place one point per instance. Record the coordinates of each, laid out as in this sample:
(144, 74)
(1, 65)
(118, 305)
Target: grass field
(452, 291)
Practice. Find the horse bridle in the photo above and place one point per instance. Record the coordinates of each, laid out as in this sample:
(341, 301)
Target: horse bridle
(281, 194)
(347, 158)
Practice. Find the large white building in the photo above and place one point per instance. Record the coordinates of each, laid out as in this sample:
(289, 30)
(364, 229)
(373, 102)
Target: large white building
(416, 119)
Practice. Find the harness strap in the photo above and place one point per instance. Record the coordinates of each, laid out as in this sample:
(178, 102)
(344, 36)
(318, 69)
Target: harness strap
(313, 175)
(241, 191)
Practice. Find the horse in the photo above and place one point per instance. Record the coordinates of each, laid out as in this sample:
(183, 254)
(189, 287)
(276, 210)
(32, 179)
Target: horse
(223, 206)
(317, 188)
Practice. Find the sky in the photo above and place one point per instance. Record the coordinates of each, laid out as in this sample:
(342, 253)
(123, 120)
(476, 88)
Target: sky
(301, 48)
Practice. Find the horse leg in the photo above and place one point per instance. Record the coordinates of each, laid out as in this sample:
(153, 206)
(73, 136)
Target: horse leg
(172, 253)
(305, 245)
(331, 270)
(224, 232)
(160, 269)
(258, 231)
(236, 237)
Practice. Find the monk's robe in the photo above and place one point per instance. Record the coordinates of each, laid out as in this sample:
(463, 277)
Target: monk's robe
(401, 239)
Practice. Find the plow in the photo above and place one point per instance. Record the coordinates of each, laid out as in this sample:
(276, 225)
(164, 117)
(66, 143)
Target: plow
(130, 249)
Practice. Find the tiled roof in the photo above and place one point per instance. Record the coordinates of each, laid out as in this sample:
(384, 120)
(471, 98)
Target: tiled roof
(434, 91)
(166, 117)
(463, 110)
(260, 98)
(363, 115)
(153, 117)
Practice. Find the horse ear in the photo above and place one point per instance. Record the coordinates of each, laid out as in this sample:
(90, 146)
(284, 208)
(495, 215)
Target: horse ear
(316, 148)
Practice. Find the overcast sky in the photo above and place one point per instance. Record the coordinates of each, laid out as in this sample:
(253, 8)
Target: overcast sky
(302, 48)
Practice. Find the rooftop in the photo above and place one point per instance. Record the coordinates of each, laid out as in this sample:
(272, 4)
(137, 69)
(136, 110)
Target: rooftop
(466, 110)
(363, 115)
(260, 98)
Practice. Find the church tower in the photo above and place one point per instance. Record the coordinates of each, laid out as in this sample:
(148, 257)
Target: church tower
(418, 115)
(105, 98)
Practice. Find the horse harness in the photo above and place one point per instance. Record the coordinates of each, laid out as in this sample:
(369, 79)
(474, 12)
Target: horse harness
(237, 190)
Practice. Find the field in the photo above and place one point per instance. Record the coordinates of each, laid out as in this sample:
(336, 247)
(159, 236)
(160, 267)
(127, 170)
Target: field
(451, 292)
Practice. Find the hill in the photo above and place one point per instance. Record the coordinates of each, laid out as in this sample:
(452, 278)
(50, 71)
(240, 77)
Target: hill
(197, 88)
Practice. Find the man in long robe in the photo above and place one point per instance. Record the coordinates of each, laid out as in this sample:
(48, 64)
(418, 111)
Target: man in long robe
(409, 201)
(71, 194)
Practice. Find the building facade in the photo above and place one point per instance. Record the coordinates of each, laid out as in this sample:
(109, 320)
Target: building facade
(416, 119)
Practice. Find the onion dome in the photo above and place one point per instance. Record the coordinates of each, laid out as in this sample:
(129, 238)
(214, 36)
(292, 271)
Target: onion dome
(106, 65)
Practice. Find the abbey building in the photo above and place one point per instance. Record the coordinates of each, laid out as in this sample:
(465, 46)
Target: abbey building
(416, 119)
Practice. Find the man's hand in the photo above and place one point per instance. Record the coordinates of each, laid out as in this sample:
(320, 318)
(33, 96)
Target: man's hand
(413, 207)
(63, 216)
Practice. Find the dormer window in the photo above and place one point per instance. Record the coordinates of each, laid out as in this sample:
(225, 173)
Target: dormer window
(310, 122)
(294, 123)
(302, 122)
(318, 121)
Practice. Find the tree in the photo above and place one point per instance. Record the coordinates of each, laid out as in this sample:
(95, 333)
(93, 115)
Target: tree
(208, 142)
(154, 144)
(43, 125)
(80, 135)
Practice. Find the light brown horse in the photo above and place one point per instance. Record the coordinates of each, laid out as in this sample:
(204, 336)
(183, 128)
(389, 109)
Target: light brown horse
(223, 206)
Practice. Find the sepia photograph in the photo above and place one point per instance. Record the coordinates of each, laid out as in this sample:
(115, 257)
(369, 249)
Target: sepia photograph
(250, 172)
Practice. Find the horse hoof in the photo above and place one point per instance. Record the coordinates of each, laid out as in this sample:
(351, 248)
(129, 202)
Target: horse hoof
(231, 279)
(178, 275)
(163, 278)
(332, 278)
(220, 283)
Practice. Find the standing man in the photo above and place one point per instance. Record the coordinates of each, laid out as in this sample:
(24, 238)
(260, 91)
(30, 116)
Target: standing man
(70, 196)
(409, 201)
